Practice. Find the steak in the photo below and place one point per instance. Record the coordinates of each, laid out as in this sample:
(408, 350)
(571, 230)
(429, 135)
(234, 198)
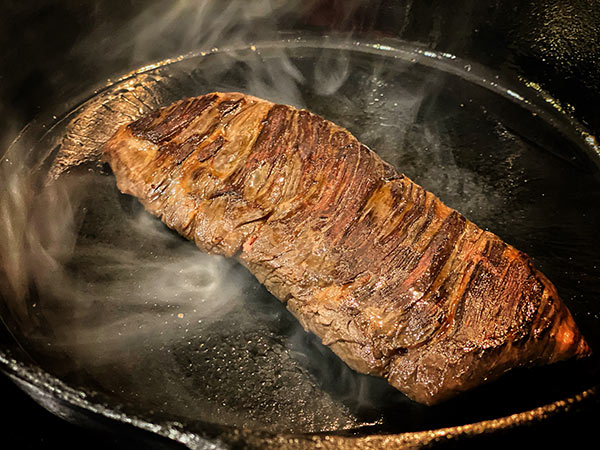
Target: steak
(396, 283)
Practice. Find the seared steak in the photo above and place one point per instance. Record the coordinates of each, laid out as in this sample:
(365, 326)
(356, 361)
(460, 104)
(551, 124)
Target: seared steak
(392, 280)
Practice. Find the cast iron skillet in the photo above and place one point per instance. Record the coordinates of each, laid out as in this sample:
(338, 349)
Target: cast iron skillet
(238, 369)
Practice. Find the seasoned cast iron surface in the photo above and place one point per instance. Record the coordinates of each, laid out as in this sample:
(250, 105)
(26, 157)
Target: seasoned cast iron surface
(142, 318)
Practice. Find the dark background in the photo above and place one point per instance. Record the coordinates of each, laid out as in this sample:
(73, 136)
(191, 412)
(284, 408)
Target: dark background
(50, 52)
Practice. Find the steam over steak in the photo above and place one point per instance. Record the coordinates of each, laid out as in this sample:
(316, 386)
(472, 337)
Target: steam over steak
(392, 280)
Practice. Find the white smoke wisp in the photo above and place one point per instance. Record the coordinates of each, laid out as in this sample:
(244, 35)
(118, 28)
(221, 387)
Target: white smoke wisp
(167, 29)
(85, 276)
(189, 25)
(36, 235)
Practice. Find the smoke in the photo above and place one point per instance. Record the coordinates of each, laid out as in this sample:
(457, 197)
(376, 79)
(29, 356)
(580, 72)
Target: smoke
(162, 30)
(96, 272)
(36, 235)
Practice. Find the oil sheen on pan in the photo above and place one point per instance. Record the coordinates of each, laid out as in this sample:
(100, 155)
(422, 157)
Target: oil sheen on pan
(396, 283)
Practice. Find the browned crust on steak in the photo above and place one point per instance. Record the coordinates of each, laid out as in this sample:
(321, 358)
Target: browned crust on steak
(392, 280)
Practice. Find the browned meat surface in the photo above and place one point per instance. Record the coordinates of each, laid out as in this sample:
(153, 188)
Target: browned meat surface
(392, 280)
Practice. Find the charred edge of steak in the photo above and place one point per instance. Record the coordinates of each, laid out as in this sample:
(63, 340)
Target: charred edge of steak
(394, 281)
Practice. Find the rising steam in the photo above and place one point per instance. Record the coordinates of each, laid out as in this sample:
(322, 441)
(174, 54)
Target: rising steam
(75, 260)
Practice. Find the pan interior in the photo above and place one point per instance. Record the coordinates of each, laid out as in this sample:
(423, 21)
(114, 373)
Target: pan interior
(136, 313)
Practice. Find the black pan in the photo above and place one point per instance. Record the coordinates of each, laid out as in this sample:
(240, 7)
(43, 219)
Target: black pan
(112, 319)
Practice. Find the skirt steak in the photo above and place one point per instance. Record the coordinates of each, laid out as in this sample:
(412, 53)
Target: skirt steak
(392, 280)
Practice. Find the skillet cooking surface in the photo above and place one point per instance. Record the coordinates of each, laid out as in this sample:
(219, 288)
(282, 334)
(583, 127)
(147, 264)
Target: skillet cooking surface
(124, 310)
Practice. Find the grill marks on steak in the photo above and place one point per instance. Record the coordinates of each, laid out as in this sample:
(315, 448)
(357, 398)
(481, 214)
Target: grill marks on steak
(394, 281)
